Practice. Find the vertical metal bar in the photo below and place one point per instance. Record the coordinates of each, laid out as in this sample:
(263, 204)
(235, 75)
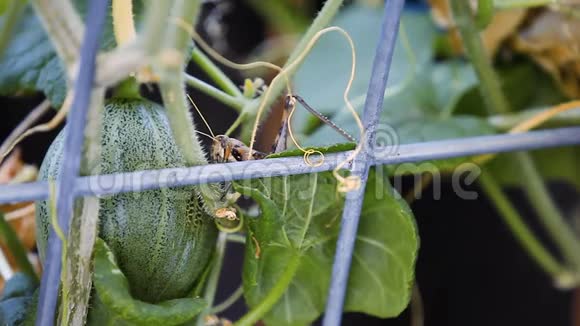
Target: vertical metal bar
(71, 161)
(354, 199)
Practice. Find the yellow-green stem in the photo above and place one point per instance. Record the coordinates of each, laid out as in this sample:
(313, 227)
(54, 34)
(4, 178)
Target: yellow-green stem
(266, 304)
(123, 22)
(214, 276)
(519, 229)
(237, 103)
(325, 16)
(11, 18)
(215, 73)
(176, 42)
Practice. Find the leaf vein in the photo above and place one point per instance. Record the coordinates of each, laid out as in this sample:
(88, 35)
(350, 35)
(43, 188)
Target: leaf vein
(310, 208)
(381, 246)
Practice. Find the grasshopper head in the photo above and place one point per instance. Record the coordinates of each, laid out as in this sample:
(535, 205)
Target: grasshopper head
(226, 149)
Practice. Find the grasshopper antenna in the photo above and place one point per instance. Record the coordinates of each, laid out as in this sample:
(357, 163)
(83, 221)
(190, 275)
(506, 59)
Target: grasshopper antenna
(204, 134)
(323, 118)
(202, 118)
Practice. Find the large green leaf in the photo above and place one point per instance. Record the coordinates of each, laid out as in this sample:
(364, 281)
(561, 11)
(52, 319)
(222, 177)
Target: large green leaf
(420, 100)
(300, 217)
(116, 302)
(387, 242)
(30, 62)
(299, 224)
(323, 76)
(422, 111)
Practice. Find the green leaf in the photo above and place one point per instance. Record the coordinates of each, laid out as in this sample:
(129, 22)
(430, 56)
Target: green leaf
(300, 220)
(325, 150)
(30, 62)
(322, 81)
(420, 100)
(113, 291)
(383, 264)
(555, 164)
(421, 112)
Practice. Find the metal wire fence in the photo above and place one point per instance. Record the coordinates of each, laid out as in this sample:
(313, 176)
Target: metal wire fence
(70, 185)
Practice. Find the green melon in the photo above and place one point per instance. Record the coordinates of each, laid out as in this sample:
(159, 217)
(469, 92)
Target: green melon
(162, 238)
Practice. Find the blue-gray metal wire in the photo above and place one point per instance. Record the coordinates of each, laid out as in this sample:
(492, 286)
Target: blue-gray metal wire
(109, 184)
(354, 199)
(74, 138)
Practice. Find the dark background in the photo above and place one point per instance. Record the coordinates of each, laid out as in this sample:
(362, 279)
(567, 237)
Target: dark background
(470, 269)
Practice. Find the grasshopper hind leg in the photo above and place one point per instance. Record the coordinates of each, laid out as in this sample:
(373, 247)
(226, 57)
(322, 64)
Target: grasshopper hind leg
(281, 142)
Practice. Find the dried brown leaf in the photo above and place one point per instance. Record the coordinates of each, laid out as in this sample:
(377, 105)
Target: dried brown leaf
(503, 25)
(19, 215)
(553, 41)
(550, 36)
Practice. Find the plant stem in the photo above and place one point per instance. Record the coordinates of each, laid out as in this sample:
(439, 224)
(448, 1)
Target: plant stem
(497, 103)
(172, 82)
(484, 13)
(323, 19)
(117, 64)
(127, 89)
(64, 27)
(560, 231)
(11, 18)
(519, 229)
(83, 227)
(214, 276)
(215, 73)
(237, 238)
(273, 296)
(123, 24)
(15, 247)
(514, 4)
(325, 16)
(241, 117)
(229, 301)
(236, 103)
(489, 84)
(24, 125)
(156, 24)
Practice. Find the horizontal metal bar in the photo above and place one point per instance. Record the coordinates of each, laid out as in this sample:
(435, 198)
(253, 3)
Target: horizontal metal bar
(151, 179)
(441, 149)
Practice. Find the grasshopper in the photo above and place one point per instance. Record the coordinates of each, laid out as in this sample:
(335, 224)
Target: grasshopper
(227, 149)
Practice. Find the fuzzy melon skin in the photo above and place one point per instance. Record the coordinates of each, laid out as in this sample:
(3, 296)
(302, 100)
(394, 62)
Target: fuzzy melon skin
(162, 238)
